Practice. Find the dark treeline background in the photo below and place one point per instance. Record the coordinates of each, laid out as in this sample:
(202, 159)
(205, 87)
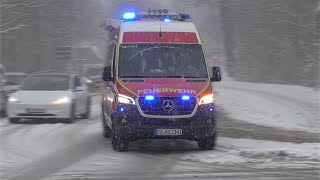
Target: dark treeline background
(271, 41)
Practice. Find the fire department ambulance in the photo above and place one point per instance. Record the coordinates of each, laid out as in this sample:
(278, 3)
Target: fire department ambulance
(157, 85)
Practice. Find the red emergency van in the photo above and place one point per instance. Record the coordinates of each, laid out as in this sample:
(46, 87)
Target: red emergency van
(158, 85)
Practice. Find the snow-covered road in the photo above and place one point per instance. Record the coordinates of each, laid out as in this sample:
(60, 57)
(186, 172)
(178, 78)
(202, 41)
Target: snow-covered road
(248, 148)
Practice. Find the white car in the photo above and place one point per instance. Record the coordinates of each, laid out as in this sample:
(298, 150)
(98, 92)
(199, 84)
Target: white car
(50, 96)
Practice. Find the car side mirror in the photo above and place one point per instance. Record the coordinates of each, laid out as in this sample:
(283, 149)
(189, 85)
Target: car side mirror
(107, 75)
(216, 74)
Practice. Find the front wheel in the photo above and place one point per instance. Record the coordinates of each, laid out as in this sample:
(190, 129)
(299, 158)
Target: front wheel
(88, 109)
(106, 131)
(119, 144)
(207, 143)
(72, 114)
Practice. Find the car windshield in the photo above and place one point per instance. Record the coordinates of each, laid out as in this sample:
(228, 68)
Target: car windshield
(94, 72)
(15, 79)
(162, 61)
(46, 83)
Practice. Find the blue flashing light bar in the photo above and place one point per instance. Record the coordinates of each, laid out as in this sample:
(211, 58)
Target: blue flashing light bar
(166, 20)
(122, 109)
(185, 98)
(149, 98)
(129, 16)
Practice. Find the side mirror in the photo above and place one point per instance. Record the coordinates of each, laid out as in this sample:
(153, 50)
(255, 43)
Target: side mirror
(107, 75)
(216, 74)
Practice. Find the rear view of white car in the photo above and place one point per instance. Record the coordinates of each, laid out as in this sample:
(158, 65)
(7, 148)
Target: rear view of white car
(50, 96)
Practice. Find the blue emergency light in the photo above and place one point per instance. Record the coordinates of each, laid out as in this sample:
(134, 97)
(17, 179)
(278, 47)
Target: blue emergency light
(149, 98)
(167, 20)
(185, 98)
(129, 16)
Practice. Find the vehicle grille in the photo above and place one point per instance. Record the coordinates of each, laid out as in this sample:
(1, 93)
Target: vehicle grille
(156, 106)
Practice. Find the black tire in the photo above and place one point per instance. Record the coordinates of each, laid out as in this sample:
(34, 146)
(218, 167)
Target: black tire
(88, 109)
(70, 120)
(119, 144)
(14, 120)
(3, 112)
(207, 143)
(106, 131)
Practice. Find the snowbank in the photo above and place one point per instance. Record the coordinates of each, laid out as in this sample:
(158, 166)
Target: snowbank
(260, 153)
(282, 106)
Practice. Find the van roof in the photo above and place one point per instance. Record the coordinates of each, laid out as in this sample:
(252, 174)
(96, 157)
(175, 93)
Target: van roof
(158, 26)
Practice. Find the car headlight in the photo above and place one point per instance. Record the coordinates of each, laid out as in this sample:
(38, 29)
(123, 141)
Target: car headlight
(208, 99)
(89, 81)
(125, 99)
(13, 99)
(63, 100)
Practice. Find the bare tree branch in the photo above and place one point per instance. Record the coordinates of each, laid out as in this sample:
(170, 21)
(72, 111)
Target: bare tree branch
(14, 28)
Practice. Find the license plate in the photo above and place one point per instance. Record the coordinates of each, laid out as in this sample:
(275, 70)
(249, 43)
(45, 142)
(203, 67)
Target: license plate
(168, 132)
(35, 110)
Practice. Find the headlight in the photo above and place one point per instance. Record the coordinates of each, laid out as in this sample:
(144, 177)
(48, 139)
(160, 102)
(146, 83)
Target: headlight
(13, 99)
(207, 99)
(125, 99)
(89, 81)
(63, 100)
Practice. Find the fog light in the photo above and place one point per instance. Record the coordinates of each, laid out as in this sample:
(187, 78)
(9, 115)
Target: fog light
(209, 121)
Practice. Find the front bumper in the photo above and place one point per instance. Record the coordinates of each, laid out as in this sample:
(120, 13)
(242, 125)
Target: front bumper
(51, 111)
(132, 125)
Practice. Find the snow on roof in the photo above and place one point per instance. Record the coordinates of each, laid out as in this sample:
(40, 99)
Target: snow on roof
(154, 26)
(160, 26)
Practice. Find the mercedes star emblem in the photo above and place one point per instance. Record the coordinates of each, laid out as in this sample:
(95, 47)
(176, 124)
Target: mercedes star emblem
(167, 105)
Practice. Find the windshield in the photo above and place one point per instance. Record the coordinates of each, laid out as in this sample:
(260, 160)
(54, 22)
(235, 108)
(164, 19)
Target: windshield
(162, 61)
(46, 83)
(94, 72)
(15, 79)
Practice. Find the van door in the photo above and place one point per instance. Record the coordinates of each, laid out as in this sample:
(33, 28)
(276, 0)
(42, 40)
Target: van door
(109, 94)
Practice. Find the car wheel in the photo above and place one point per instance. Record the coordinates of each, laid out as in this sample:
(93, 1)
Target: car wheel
(207, 143)
(14, 120)
(72, 114)
(3, 112)
(105, 127)
(119, 144)
(88, 109)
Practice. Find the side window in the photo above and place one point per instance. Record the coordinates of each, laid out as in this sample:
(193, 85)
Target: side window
(77, 82)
